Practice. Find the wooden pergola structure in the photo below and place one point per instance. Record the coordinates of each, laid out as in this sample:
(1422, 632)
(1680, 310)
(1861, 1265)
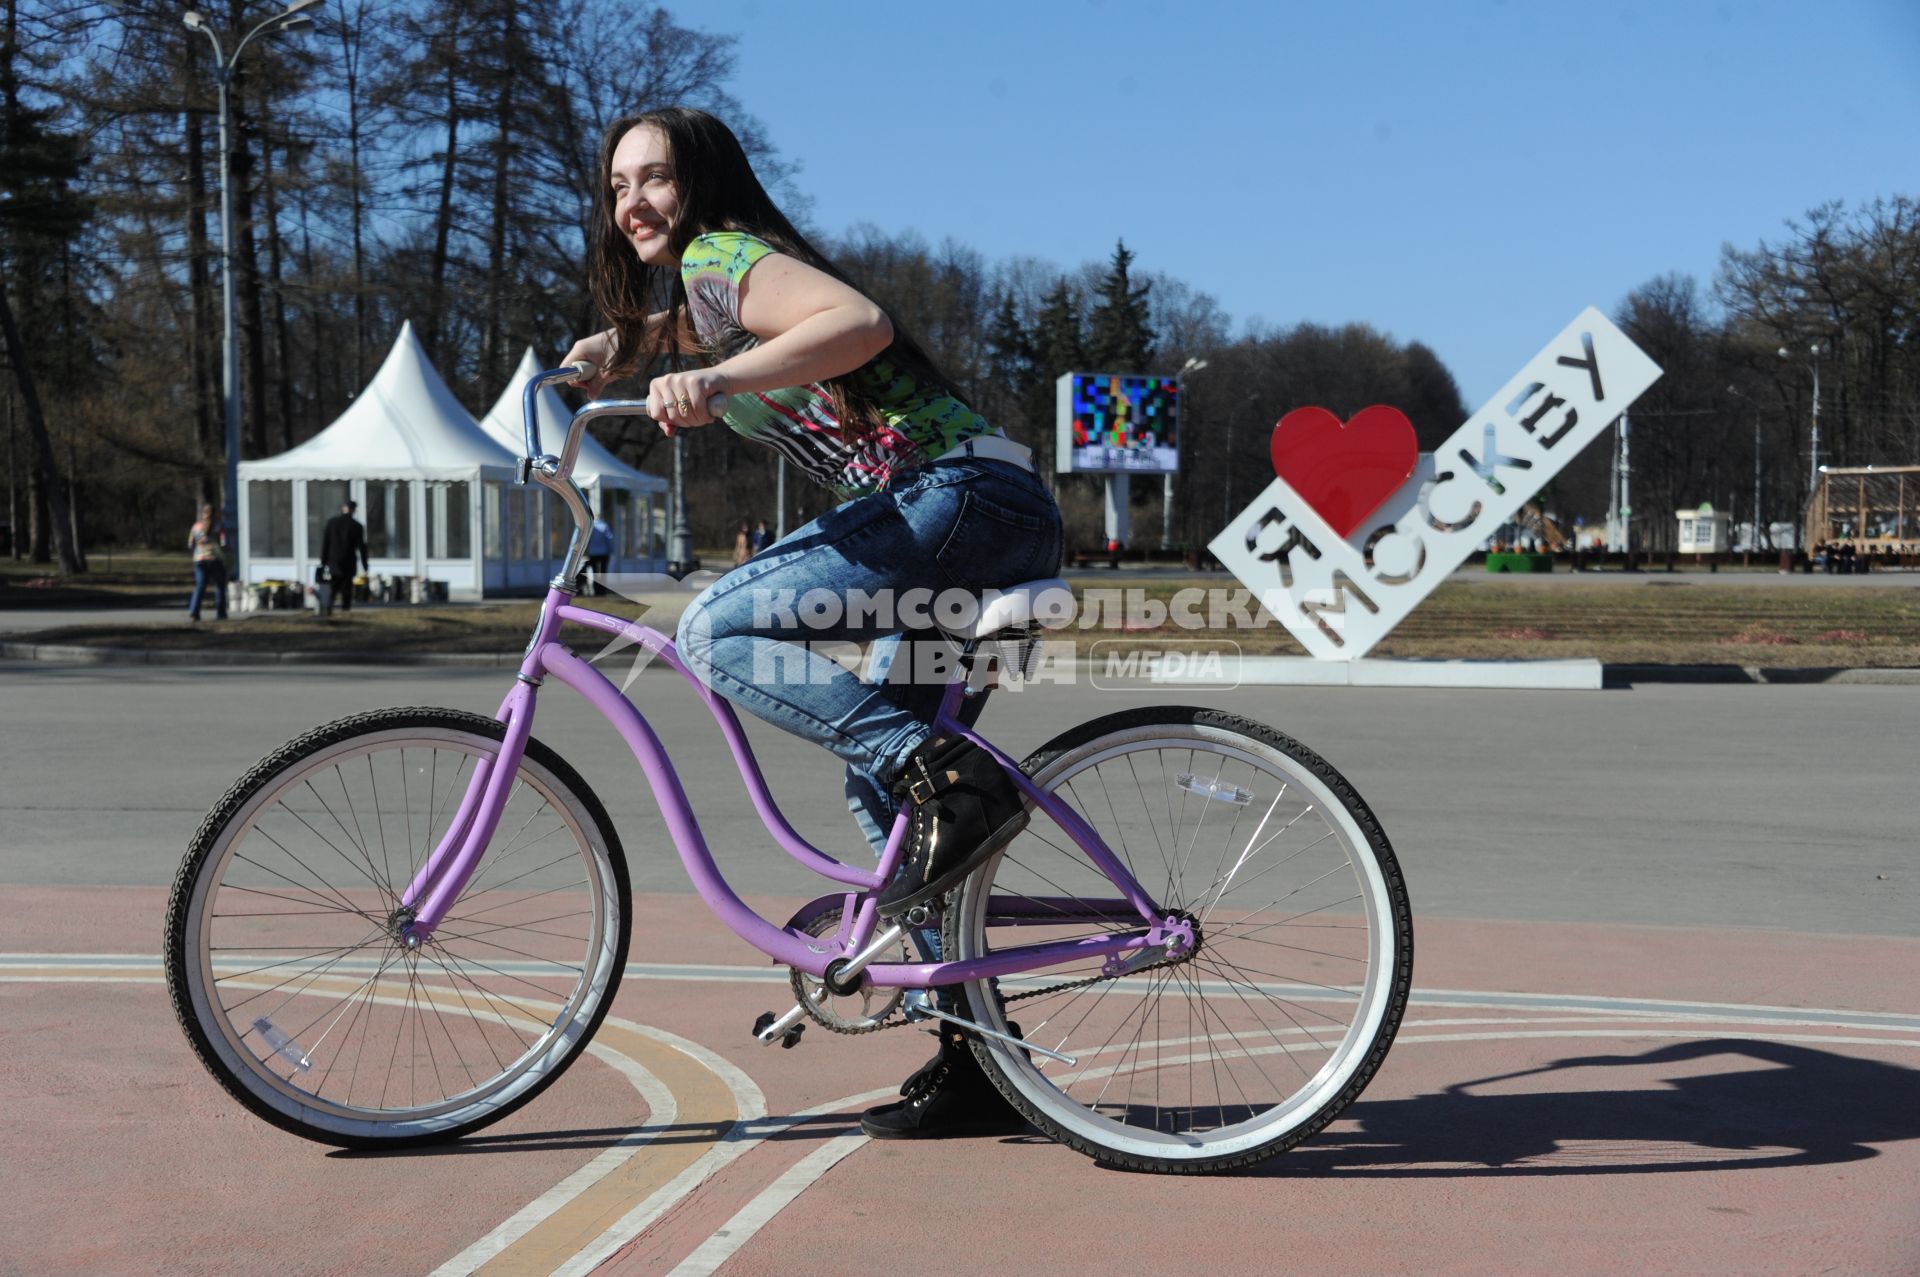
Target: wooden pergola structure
(1876, 508)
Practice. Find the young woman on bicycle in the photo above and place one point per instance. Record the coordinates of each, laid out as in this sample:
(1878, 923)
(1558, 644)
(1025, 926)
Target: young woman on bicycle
(691, 259)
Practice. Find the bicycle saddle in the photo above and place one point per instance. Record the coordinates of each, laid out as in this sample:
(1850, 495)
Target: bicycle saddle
(1047, 600)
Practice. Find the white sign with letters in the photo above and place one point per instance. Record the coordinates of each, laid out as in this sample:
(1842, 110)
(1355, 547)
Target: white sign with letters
(1339, 597)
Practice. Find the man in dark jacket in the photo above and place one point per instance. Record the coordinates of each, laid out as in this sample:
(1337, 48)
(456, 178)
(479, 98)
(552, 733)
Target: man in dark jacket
(341, 543)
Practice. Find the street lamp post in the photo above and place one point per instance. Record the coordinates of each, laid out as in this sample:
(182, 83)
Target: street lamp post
(230, 349)
(1166, 499)
(1754, 539)
(680, 560)
(1813, 468)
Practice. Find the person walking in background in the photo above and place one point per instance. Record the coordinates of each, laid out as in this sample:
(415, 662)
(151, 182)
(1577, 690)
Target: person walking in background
(742, 544)
(761, 538)
(599, 551)
(208, 540)
(342, 543)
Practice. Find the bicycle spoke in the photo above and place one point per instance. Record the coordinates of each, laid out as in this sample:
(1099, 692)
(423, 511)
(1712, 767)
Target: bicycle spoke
(326, 1015)
(1171, 1051)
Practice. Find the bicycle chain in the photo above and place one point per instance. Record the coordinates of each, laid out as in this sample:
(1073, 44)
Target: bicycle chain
(892, 1023)
(1018, 997)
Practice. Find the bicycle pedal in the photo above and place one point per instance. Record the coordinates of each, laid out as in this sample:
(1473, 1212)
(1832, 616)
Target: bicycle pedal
(769, 1029)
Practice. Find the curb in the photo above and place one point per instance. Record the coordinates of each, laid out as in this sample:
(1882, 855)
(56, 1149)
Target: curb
(80, 654)
(1613, 676)
(1628, 675)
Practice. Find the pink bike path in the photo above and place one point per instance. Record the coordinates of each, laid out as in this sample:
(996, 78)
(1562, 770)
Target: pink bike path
(1568, 1097)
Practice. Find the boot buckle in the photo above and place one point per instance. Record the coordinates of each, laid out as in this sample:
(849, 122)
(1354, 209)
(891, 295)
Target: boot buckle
(922, 789)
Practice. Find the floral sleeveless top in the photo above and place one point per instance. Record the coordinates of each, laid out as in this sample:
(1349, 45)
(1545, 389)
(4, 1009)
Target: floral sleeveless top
(798, 422)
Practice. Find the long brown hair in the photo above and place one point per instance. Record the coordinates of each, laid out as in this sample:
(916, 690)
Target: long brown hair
(718, 191)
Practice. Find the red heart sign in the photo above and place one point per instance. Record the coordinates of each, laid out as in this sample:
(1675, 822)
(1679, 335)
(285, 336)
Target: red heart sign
(1345, 470)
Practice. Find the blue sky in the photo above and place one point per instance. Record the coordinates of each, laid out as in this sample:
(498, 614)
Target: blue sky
(1467, 173)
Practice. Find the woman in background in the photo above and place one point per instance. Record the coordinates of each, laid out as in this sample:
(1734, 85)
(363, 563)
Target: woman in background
(208, 542)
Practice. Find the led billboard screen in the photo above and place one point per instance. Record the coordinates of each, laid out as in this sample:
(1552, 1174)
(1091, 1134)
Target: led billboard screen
(1117, 423)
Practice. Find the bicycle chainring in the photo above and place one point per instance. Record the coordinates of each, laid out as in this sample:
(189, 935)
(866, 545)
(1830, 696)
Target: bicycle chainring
(863, 1011)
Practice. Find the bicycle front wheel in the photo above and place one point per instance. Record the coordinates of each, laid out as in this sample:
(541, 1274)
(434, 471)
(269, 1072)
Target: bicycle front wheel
(1280, 1017)
(283, 949)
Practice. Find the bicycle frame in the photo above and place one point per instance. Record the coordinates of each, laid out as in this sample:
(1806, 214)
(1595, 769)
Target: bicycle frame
(453, 861)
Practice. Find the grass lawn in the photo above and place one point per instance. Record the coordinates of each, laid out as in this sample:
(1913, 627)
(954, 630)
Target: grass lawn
(111, 576)
(1657, 619)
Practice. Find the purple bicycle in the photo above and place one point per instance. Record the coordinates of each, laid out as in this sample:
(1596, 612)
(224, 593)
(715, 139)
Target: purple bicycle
(402, 926)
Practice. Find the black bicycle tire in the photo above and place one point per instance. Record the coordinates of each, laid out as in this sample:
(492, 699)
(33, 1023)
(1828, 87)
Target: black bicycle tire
(236, 797)
(1399, 989)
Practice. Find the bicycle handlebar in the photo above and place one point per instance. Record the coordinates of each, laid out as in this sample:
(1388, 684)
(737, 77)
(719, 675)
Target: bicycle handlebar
(556, 473)
(578, 370)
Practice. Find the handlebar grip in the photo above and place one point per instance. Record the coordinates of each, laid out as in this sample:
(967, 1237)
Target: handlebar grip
(584, 369)
(717, 406)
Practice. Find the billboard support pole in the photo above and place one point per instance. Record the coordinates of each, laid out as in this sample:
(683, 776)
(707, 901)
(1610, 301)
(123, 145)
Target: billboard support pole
(1119, 524)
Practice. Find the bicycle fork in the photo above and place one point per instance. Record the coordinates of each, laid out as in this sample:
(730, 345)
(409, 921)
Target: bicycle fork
(445, 872)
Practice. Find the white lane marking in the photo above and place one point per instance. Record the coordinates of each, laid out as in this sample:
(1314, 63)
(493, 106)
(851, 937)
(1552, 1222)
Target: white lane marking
(749, 1219)
(796, 1179)
(735, 1143)
(726, 1240)
(748, 1101)
(662, 1111)
(1834, 1017)
(749, 1104)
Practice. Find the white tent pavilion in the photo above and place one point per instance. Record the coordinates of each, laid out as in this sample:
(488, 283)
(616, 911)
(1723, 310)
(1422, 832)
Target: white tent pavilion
(631, 501)
(416, 462)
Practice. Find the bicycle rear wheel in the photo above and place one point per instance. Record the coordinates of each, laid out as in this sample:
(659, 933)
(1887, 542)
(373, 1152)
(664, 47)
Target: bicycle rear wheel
(1287, 1008)
(283, 954)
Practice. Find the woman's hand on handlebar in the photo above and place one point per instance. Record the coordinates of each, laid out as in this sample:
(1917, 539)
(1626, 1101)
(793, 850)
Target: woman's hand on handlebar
(598, 351)
(692, 398)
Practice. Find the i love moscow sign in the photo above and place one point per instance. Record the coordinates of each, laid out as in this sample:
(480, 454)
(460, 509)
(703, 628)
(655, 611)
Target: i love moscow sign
(1339, 566)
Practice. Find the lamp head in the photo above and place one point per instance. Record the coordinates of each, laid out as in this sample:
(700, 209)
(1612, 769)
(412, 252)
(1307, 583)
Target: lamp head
(193, 21)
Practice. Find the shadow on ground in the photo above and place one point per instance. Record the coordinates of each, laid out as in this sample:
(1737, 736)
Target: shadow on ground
(1776, 1104)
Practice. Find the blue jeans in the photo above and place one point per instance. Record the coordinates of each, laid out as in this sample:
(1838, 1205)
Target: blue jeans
(209, 572)
(967, 525)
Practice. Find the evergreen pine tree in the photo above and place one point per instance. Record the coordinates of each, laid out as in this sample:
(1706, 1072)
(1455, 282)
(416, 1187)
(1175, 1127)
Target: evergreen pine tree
(1058, 347)
(39, 218)
(1010, 353)
(1121, 337)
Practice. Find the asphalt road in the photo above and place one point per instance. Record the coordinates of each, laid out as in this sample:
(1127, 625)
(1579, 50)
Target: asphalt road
(1729, 1090)
(1787, 807)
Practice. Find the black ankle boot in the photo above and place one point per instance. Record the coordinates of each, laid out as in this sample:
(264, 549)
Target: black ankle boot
(963, 808)
(948, 1097)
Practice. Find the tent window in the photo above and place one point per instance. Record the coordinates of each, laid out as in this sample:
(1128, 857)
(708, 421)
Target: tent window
(270, 518)
(490, 547)
(389, 518)
(324, 499)
(619, 517)
(559, 529)
(526, 516)
(448, 522)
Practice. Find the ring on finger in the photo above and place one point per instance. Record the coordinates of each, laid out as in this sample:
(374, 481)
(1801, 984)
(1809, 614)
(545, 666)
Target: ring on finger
(684, 405)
